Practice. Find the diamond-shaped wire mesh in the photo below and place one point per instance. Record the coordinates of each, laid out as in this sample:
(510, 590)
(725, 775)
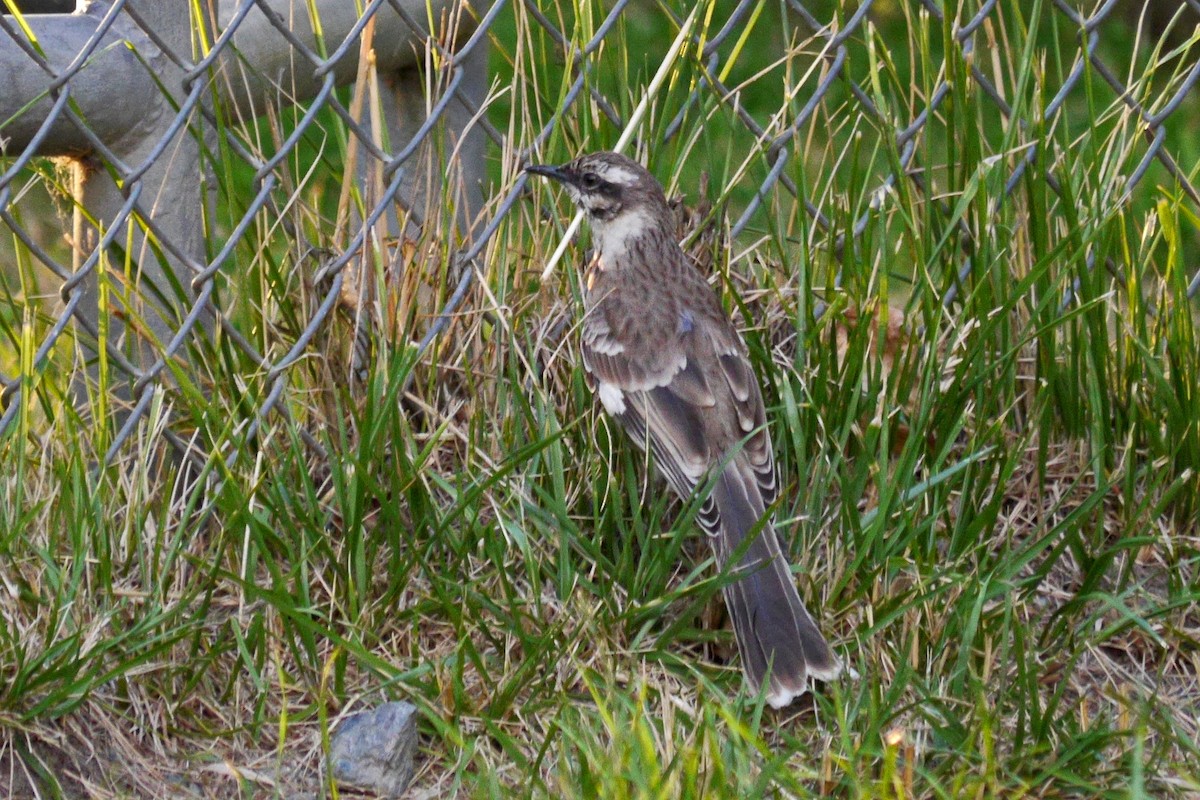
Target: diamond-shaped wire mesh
(562, 79)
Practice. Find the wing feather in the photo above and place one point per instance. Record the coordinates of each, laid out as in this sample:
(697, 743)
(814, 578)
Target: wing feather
(671, 390)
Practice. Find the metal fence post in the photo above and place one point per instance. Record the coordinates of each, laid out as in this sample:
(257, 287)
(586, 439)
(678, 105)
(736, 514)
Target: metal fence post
(462, 160)
(114, 87)
(150, 209)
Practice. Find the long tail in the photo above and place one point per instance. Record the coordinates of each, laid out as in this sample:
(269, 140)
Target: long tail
(776, 635)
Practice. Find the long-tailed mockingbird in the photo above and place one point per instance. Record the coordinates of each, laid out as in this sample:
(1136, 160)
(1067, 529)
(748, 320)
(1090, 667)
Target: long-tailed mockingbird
(668, 364)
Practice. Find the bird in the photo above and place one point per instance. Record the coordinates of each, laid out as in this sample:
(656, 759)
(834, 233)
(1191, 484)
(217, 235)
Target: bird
(667, 363)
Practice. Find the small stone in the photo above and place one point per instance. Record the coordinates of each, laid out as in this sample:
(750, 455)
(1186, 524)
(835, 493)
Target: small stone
(374, 750)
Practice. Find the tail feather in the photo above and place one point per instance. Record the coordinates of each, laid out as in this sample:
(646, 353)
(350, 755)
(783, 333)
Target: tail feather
(778, 640)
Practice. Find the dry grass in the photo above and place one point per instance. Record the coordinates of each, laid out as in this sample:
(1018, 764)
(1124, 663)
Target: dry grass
(130, 739)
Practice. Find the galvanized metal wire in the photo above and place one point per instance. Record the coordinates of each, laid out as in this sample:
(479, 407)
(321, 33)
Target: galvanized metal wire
(832, 35)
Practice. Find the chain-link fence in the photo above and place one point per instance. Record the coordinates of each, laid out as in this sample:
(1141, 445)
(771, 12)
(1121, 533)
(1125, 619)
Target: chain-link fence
(189, 141)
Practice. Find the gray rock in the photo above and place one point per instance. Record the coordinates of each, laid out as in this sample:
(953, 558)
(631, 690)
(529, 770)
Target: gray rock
(374, 749)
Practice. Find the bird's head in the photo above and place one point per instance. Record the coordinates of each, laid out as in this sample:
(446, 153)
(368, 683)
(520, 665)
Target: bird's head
(621, 198)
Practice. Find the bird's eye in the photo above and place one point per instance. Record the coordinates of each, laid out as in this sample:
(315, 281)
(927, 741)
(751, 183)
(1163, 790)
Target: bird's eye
(590, 180)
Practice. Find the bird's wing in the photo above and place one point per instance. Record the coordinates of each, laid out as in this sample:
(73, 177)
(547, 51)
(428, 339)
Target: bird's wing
(678, 380)
(747, 406)
(646, 380)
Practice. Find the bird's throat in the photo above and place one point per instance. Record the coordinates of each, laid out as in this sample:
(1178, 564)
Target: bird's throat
(615, 237)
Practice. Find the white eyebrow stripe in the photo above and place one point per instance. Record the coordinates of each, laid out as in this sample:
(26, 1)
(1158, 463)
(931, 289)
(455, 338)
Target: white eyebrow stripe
(615, 174)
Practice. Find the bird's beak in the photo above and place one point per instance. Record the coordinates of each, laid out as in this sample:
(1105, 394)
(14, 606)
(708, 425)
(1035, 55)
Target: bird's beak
(548, 171)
